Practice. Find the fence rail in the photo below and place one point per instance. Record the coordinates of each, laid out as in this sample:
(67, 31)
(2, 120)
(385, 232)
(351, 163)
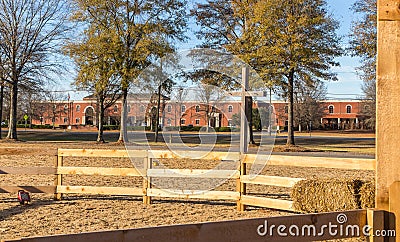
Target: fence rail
(148, 172)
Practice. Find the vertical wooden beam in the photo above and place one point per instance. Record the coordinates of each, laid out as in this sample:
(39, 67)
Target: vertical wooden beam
(146, 180)
(388, 107)
(58, 179)
(240, 186)
(388, 102)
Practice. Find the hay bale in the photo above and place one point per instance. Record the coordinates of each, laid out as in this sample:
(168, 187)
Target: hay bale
(367, 195)
(326, 195)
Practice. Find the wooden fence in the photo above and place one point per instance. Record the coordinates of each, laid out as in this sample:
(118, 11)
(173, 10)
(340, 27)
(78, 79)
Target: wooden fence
(148, 172)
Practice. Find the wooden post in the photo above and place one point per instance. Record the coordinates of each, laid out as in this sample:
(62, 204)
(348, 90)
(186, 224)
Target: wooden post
(58, 179)
(388, 104)
(240, 186)
(146, 180)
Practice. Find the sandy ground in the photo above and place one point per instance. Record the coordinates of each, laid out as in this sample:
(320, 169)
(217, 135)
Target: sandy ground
(75, 214)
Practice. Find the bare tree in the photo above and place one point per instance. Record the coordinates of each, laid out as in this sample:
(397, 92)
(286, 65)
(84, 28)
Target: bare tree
(31, 32)
(210, 96)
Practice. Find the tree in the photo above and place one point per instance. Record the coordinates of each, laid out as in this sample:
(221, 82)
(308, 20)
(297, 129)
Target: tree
(295, 41)
(142, 31)
(96, 71)
(308, 106)
(284, 41)
(31, 33)
(363, 41)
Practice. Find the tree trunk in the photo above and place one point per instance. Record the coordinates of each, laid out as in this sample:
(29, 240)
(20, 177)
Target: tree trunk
(100, 131)
(123, 137)
(1, 105)
(290, 137)
(157, 114)
(12, 128)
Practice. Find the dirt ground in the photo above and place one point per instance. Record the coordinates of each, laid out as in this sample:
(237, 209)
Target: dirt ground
(76, 213)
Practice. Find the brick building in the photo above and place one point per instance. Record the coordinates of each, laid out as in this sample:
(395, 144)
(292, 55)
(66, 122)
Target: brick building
(343, 114)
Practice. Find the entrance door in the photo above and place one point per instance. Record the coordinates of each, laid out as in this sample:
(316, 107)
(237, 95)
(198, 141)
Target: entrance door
(89, 116)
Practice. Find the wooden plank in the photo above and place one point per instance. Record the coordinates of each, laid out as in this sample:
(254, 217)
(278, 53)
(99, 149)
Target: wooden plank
(376, 221)
(131, 191)
(389, 10)
(267, 202)
(31, 189)
(270, 180)
(167, 154)
(103, 171)
(314, 161)
(190, 194)
(28, 170)
(235, 230)
(102, 153)
(193, 173)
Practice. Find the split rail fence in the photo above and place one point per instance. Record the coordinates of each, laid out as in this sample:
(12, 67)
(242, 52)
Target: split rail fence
(149, 172)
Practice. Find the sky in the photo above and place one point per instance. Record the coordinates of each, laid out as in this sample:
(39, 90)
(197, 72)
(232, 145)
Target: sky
(348, 85)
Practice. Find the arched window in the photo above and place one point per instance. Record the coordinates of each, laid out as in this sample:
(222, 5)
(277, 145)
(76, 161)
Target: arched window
(115, 109)
(169, 121)
(183, 108)
(197, 108)
(77, 120)
(169, 108)
(230, 108)
(78, 108)
(348, 109)
(330, 108)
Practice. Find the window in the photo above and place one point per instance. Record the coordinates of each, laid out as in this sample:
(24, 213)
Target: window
(197, 121)
(78, 108)
(183, 121)
(142, 109)
(65, 107)
(286, 109)
(213, 110)
(229, 122)
(77, 120)
(169, 121)
(129, 108)
(183, 108)
(115, 109)
(197, 108)
(230, 109)
(330, 108)
(169, 108)
(65, 120)
(348, 109)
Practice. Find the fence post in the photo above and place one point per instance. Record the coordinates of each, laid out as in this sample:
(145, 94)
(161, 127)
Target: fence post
(58, 180)
(146, 180)
(241, 187)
